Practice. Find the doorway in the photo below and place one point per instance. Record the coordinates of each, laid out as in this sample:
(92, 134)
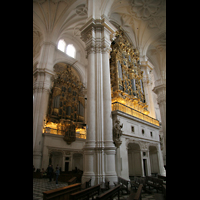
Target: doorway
(66, 166)
(145, 166)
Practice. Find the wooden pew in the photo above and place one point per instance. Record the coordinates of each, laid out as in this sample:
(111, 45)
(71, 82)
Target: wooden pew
(158, 184)
(154, 182)
(137, 195)
(162, 177)
(140, 180)
(86, 194)
(61, 193)
(105, 186)
(164, 190)
(72, 181)
(85, 185)
(109, 194)
(123, 183)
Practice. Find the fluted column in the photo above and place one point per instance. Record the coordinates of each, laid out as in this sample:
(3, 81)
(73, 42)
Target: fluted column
(99, 148)
(160, 90)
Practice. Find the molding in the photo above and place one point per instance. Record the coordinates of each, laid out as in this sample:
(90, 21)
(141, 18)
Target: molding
(43, 70)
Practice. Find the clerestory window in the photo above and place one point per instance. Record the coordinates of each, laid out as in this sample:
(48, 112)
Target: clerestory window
(68, 49)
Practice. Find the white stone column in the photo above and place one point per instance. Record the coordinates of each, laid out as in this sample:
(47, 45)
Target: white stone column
(99, 149)
(148, 163)
(160, 161)
(41, 88)
(148, 88)
(160, 90)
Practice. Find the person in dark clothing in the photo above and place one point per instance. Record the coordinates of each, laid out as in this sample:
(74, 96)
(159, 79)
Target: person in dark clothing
(57, 174)
(50, 172)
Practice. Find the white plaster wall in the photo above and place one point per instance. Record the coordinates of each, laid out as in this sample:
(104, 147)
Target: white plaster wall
(138, 126)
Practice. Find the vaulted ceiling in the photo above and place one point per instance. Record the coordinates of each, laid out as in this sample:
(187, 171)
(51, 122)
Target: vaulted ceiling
(144, 21)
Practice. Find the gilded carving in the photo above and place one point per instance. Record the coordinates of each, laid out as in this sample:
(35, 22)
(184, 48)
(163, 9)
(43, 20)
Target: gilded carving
(66, 105)
(126, 75)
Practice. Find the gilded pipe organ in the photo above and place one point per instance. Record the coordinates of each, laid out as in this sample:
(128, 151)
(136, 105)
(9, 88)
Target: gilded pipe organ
(66, 105)
(126, 76)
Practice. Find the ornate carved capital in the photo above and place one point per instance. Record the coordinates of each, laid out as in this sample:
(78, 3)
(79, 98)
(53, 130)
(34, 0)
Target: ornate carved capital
(96, 35)
(144, 146)
(42, 80)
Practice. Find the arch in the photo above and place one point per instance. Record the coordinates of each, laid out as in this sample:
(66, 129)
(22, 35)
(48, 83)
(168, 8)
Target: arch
(75, 64)
(134, 159)
(77, 162)
(153, 156)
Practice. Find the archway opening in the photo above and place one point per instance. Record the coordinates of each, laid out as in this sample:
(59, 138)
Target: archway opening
(153, 154)
(134, 160)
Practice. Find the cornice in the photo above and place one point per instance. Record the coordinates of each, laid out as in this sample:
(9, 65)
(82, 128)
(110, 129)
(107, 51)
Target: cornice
(159, 88)
(98, 23)
(43, 70)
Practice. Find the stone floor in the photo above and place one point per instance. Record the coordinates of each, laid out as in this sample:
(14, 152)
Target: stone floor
(41, 185)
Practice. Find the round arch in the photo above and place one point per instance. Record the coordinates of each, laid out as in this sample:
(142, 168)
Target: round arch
(74, 63)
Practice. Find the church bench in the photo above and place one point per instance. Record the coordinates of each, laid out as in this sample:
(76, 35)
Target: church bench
(154, 182)
(61, 193)
(139, 180)
(163, 178)
(164, 190)
(137, 195)
(123, 184)
(87, 184)
(86, 194)
(105, 186)
(158, 184)
(72, 181)
(110, 194)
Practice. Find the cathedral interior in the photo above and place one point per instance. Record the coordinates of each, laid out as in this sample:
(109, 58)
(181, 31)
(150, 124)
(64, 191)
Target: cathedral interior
(99, 87)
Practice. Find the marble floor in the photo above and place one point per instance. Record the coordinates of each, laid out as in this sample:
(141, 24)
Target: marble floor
(41, 185)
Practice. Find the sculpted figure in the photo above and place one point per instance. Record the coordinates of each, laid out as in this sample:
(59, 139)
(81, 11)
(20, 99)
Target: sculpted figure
(117, 132)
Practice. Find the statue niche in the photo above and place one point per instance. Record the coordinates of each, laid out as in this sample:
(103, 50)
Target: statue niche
(117, 133)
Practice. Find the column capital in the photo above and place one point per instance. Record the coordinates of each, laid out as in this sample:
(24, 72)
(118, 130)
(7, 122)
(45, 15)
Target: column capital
(42, 79)
(97, 34)
(160, 90)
